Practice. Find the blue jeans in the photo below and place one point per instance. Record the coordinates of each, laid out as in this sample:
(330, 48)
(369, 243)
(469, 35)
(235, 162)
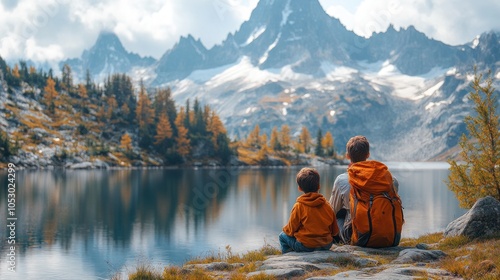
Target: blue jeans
(289, 243)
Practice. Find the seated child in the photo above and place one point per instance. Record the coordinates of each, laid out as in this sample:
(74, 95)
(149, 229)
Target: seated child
(312, 224)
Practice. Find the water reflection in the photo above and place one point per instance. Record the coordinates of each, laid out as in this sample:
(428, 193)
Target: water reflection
(88, 224)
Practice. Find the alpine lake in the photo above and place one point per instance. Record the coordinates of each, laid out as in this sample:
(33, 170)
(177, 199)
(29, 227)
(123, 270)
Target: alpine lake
(92, 224)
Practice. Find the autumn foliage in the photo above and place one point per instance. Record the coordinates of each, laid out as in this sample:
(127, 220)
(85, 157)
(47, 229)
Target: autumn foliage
(478, 175)
(132, 124)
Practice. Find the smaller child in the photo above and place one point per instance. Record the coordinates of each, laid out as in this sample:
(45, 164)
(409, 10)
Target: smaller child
(312, 224)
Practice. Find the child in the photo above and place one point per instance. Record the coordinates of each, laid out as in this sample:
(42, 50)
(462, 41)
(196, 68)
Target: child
(312, 224)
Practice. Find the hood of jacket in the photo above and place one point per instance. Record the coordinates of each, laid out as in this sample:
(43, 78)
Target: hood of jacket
(312, 199)
(370, 175)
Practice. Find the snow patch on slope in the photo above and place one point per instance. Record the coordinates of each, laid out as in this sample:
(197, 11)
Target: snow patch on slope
(285, 14)
(435, 104)
(337, 73)
(270, 48)
(433, 89)
(255, 34)
(404, 86)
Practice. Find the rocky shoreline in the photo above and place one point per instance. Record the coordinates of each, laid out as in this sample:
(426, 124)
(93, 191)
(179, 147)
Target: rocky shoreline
(388, 263)
(32, 161)
(468, 249)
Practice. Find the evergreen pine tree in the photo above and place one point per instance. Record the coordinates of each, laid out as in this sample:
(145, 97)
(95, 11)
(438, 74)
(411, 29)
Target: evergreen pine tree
(5, 147)
(319, 148)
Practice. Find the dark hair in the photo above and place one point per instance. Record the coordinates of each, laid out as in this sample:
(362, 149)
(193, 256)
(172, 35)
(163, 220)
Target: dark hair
(308, 179)
(358, 148)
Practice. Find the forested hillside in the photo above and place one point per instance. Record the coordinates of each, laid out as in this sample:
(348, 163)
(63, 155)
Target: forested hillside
(53, 121)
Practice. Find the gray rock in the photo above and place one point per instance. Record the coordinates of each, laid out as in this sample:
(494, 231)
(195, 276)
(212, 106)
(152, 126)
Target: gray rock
(391, 272)
(82, 165)
(370, 251)
(280, 273)
(418, 255)
(482, 220)
(312, 257)
(100, 164)
(422, 246)
(295, 264)
(313, 261)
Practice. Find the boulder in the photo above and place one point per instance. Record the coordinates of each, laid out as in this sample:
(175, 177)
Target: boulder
(295, 264)
(418, 255)
(285, 273)
(482, 220)
(391, 272)
(82, 165)
(100, 164)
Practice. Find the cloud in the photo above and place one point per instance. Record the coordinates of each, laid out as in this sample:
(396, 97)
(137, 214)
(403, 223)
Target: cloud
(145, 27)
(50, 29)
(453, 22)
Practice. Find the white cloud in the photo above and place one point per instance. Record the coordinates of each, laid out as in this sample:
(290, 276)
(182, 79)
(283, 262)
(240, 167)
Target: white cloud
(36, 52)
(145, 27)
(50, 29)
(453, 22)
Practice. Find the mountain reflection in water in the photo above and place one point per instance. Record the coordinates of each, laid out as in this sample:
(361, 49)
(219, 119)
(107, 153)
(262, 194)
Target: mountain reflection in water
(93, 223)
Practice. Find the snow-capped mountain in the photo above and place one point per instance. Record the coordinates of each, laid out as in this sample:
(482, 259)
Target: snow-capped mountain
(106, 57)
(291, 63)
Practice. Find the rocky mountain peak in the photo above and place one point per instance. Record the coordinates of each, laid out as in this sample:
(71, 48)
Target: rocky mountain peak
(108, 41)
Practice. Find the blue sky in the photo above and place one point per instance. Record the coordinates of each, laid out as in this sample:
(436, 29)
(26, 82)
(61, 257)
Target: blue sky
(51, 30)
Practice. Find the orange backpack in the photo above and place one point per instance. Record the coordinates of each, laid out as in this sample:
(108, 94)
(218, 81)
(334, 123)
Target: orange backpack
(376, 209)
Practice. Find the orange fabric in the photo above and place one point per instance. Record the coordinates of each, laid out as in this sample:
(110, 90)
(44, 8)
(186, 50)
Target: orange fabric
(380, 224)
(312, 221)
(370, 175)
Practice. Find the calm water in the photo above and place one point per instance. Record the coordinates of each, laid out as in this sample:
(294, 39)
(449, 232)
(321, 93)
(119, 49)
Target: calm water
(92, 224)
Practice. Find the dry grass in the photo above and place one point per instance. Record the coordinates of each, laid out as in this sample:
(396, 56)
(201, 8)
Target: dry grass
(431, 238)
(478, 259)
(228, 256)
(176, 273)
(470, 259)
(147, 271)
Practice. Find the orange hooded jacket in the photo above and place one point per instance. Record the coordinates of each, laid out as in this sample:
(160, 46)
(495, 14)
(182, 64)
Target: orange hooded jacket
(312, 221)
(370, 175)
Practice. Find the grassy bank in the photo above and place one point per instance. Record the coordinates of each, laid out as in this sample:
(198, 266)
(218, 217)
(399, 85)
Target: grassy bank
(469, 259)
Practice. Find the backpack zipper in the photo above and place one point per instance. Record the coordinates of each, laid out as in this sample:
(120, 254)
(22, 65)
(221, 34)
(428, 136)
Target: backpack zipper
(393, 219)
(369, 219)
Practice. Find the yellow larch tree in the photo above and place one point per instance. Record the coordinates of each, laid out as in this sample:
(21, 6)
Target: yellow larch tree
(15, 71)
(327, 144)
(216, 127)
(284, 137)
(126, 143)
(50, 91)
(478, 173)
(163, 130)
(274, 143)
(253, 139)
(82, 91)
(144, 111)
(305, 139)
